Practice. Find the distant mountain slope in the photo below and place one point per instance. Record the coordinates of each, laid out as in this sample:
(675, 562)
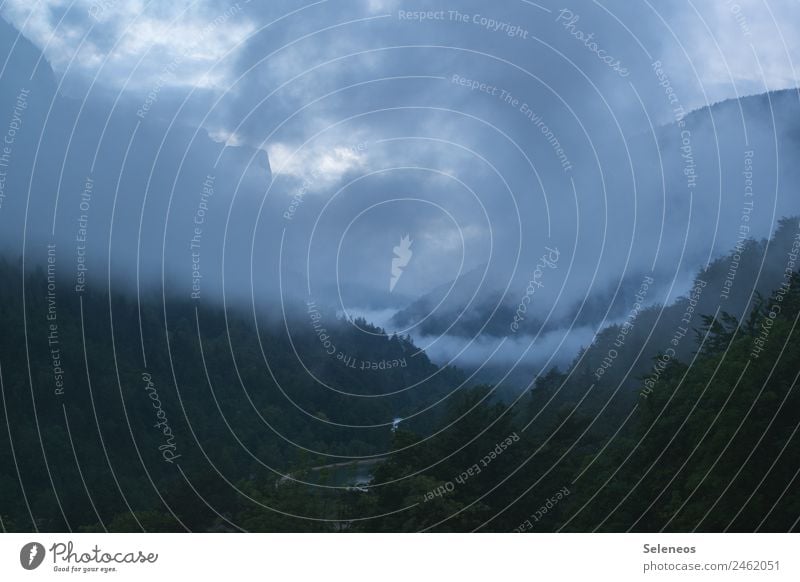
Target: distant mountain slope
(710, 445)
(720, 135)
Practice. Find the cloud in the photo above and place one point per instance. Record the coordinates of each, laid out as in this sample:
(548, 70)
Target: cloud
(321, 166)
(176, 44)
(315, 81)
(728, 47)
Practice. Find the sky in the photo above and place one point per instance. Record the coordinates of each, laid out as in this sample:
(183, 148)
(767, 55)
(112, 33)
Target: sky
(268, 153)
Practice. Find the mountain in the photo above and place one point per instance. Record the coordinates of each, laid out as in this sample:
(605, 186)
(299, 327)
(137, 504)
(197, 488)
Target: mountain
(627, 362)
(690, 204)
(137, 187)
(140, 398)
(710, 447)
(126, 416)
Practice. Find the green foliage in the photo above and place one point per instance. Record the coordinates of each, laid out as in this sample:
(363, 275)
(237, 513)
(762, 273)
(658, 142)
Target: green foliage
(710, 446)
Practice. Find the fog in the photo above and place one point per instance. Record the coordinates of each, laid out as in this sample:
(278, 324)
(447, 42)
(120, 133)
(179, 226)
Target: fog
(261, 156)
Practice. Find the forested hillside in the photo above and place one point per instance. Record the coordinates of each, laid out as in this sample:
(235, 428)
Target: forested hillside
(191, 418)
(192, 404)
